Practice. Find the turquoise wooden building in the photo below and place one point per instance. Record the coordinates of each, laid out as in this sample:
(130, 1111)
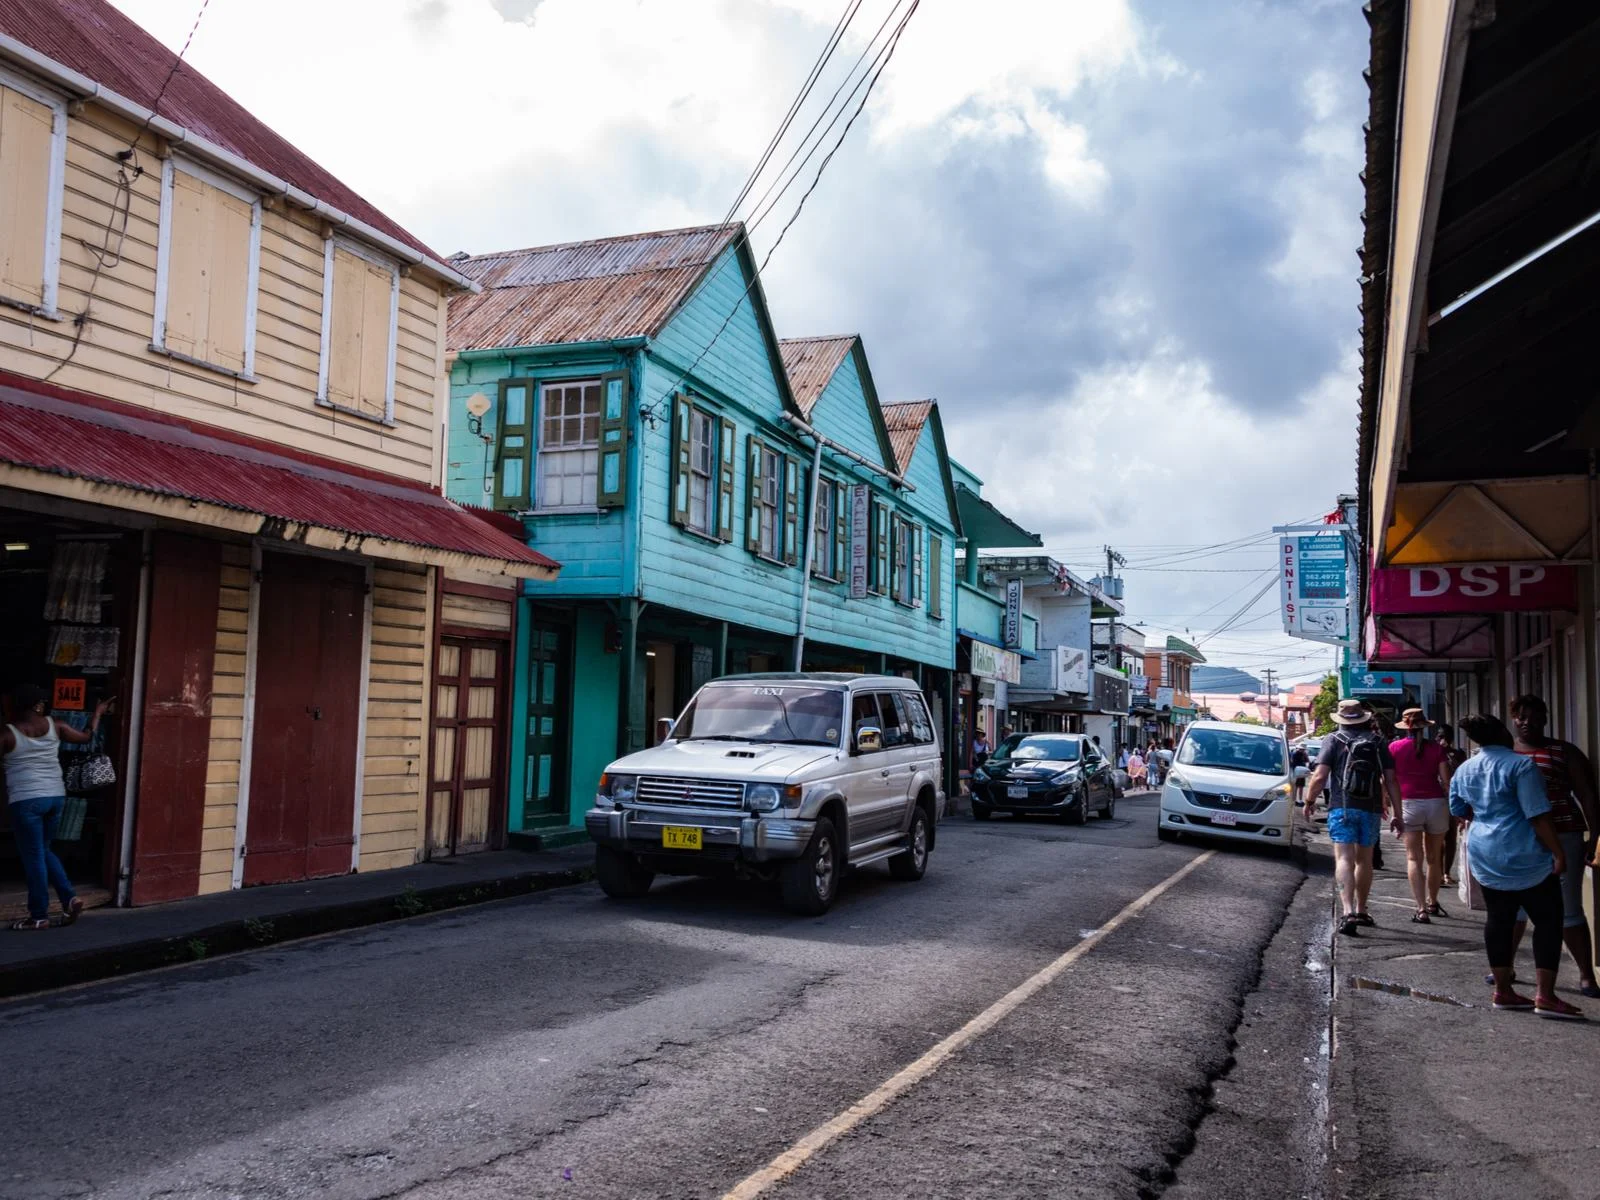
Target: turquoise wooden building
(630, 402)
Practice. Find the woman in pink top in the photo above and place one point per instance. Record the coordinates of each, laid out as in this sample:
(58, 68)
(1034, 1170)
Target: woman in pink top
(1422, 768)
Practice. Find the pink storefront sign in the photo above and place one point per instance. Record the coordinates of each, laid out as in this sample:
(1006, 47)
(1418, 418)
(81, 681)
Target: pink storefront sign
(1504, 587)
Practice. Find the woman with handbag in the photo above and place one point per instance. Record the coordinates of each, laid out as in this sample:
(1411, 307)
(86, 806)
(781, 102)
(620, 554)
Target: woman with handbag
(35, 793)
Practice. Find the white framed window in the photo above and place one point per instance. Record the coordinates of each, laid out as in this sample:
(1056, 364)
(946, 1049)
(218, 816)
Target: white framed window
(33, 166)
(208, 260)
(569, 445)
(823, 565)
(702, 473)
(771, 537)
(360, 318)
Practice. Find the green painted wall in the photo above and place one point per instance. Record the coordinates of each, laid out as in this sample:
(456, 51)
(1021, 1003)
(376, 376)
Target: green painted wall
(596, 689)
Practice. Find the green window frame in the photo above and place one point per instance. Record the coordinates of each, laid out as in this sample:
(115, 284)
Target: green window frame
(611, 490)
(878, 561)
(935, 576)
(514, 454)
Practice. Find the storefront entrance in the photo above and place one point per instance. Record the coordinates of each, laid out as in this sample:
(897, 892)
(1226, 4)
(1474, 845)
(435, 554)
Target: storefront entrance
(300, 822)
(549, 701)
(468, 755)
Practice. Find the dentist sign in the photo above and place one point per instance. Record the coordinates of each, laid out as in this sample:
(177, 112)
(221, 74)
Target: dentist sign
(1504, 587)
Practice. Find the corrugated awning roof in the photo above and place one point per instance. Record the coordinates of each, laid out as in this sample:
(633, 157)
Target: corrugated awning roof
(905, 420)
(984, 526)
(598, 291)
(94, 39)
(75, 436)
(810, 364)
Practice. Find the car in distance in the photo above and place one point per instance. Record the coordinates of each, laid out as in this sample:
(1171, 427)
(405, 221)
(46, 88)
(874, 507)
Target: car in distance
(1231, 781)
(1062, 774)
(786, 777)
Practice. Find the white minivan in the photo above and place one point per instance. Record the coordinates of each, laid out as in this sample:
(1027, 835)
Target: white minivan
(1230, 780)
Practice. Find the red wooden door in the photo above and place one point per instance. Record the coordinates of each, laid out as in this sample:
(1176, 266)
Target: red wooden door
(301, 816)
(180, 654)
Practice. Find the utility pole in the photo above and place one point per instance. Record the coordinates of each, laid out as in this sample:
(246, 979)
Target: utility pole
(1271, 692)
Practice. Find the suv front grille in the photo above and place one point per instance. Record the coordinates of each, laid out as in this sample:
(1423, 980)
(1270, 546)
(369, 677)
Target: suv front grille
(1239, 804)
(690, 793)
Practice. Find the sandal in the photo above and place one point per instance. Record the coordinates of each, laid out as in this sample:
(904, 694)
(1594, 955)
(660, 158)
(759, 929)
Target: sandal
(1363, 919)
(1422, 918)
(1435, 911)
(1350, 926)
(29, 923)
(72, 910)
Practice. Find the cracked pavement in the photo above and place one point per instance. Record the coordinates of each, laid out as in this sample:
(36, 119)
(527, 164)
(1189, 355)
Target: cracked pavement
(564, 1045)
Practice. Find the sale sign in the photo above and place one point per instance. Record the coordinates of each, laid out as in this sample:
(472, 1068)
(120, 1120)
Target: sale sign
(1503, 587)
(68, 695)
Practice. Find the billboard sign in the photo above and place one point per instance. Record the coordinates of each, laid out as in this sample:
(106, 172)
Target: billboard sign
(1363, 679)
(1013, 624)
(1072, 669)
(860, 498)
(1314, 583)
(1505, 587)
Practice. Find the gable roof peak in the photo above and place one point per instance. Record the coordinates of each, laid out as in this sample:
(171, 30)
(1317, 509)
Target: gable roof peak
(905, 420)
(811, 363)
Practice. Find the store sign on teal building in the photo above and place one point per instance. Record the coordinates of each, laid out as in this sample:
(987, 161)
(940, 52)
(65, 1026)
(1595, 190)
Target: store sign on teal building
(1361, 679)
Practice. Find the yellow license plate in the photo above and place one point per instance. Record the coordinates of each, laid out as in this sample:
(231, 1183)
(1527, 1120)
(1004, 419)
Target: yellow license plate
(680, 837)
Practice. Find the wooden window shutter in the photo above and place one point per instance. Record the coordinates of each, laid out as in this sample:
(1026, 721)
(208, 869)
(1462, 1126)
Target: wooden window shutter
(725, 443)
(360, 322)
(914, 532)
(752, 507)
(27, 135)
(513, 471)
(880, 547)
(612, 491)
(682, 448)
(793, 535)
(935, 575)
(841, 529)
(208, 273)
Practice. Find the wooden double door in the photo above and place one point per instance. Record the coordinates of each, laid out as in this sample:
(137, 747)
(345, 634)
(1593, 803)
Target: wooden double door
(469, 700)
(309, 661)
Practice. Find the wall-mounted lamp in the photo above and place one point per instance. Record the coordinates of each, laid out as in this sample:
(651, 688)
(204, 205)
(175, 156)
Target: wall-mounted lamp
(477, 405)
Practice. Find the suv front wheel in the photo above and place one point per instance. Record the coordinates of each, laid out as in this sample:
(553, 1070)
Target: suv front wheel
(810, 882)
(621, 876)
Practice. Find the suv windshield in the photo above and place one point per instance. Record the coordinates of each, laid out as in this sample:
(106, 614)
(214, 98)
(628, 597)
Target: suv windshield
(1025, 746)
(1231, 751)
(764, 712)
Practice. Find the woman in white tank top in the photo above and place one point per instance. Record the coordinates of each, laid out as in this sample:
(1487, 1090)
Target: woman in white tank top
(35, 792)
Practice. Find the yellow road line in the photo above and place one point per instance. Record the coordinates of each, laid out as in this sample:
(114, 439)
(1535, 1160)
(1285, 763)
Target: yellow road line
(792, 1159)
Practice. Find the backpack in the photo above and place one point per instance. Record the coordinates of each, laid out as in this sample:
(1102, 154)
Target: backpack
(1361, 775)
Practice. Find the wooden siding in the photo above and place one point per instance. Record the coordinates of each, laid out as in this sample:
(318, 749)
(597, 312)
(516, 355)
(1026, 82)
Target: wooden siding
(227, 722)
(114, 358)
(392, 796)
(842, 413)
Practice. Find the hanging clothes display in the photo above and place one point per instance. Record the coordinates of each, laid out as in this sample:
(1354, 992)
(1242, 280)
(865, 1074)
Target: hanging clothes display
(77, 582)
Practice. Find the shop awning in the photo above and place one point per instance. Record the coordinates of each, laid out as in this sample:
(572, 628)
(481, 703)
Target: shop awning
(985, 526)
(1026, 655)
(97, 451)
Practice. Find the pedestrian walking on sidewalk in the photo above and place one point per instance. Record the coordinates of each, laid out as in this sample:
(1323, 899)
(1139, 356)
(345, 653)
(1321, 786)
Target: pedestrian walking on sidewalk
(1423, 772)
(1517, 856)
(1357, 771)
(1136, 769)
(35, 793)
(1570, 788)
(1455, 757)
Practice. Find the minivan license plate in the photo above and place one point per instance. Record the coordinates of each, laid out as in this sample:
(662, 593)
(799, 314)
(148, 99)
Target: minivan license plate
(1223, 818)
(680, 837)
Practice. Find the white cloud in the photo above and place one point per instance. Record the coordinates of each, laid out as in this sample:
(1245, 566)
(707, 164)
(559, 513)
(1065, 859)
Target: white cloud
(1314, 196)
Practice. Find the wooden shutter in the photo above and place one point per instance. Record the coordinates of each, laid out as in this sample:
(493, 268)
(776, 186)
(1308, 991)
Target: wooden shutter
(725, 444)
(915, 533)
(514, 445)
(841, 529)
(27, 145)
(792, 533)
(682, 450)
(615, 418)
(209, 253)
(880, 547)
(935, 575)
(752, 508)
(359, 346)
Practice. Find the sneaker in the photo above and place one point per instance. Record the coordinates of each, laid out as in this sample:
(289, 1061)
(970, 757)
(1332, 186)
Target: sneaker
(1557, 1009)
(72, 910)
(1512, 1002)
(1590, 990)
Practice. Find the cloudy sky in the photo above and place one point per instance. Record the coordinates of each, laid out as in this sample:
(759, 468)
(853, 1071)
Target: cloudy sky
(1115, 238)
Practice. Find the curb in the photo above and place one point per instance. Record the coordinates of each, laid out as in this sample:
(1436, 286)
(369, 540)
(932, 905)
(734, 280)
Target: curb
(250, 933)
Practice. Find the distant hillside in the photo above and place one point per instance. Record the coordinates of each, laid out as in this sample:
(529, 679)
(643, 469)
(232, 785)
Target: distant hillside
(1208, 680)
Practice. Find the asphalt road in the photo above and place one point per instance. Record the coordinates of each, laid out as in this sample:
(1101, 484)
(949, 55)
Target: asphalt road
(565, 1045)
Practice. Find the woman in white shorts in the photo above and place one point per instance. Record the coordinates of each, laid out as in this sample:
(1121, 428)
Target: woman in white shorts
(1423, 770)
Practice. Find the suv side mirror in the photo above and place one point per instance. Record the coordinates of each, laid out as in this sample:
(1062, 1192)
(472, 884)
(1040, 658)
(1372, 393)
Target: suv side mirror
(869, 739)
(664, 728)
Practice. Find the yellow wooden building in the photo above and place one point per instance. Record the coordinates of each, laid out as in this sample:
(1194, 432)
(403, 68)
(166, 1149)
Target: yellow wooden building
(222, 396)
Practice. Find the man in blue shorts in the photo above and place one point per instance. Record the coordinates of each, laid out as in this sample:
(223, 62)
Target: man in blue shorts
(1357, 770)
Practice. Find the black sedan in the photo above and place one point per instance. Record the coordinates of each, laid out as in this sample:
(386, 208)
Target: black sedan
(1061, 774)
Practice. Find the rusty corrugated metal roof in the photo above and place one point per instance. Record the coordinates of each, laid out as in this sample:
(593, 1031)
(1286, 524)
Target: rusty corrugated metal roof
(582, 291)
(905, 420)
(810, 364)
(77, 436)
(94, 39)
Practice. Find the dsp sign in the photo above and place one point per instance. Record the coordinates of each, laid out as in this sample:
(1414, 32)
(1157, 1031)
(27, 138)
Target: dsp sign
(1507, 587)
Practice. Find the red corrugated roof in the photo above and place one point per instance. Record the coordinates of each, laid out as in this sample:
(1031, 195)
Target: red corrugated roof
(50, 429)
(810, 363)
(905, 421)
(593, 291)
(94, 39)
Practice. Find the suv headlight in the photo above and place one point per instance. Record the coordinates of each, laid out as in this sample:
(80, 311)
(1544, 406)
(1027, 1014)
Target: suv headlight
(616, 789)
(1176, 780)
(762, 797)
(1282, 792)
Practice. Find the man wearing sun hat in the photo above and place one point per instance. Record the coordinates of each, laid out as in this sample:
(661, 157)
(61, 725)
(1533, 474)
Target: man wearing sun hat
(1357, 770)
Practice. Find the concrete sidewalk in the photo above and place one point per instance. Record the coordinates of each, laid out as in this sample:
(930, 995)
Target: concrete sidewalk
(1433, 1093)
(116, 941)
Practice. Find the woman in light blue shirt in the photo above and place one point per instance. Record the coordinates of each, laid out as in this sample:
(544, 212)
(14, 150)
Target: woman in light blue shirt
(1513, 851)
